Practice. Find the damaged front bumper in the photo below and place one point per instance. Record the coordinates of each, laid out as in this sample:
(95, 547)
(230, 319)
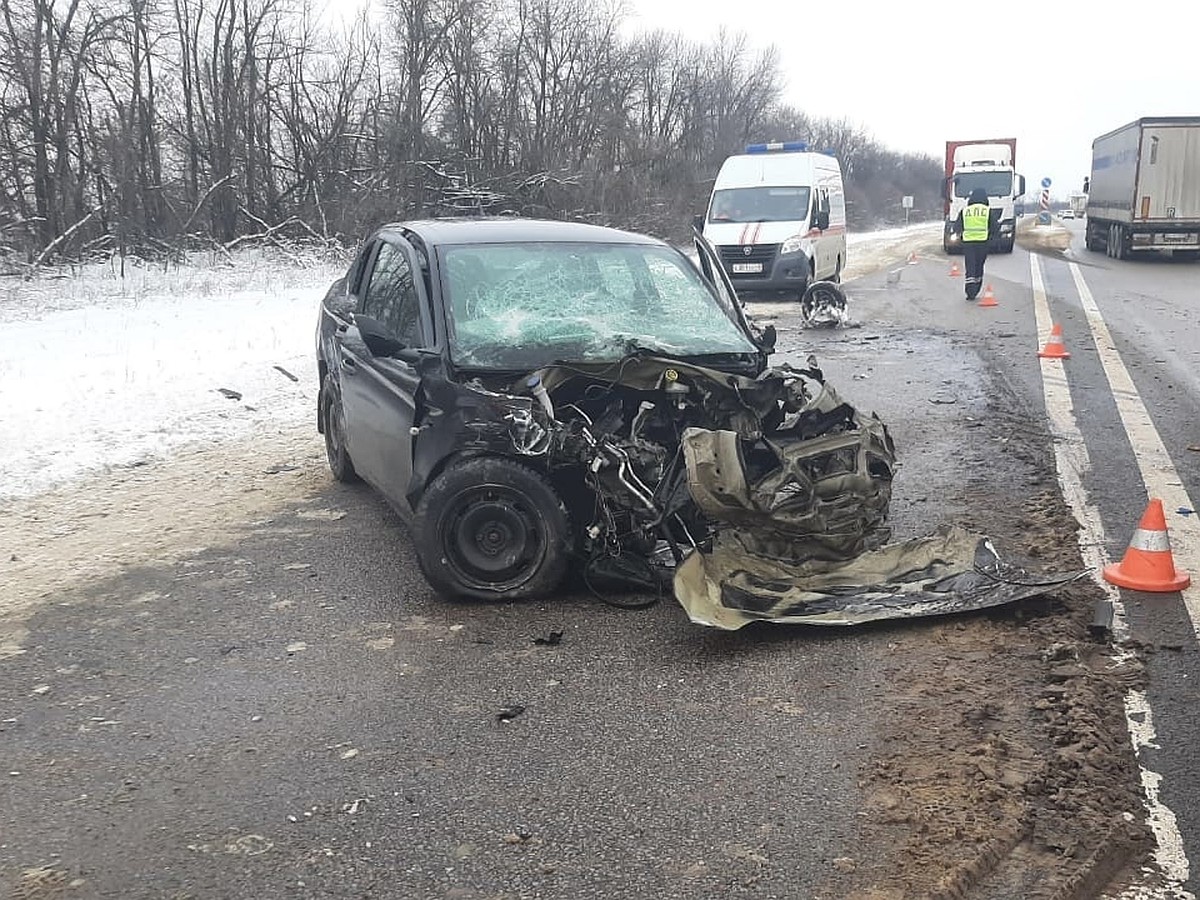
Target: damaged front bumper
(951, 571)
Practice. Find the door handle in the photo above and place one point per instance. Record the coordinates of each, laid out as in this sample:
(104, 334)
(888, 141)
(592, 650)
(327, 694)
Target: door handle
(349, 364)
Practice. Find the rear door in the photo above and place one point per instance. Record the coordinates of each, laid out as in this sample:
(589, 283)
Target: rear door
(379, 392)
(1167, 186)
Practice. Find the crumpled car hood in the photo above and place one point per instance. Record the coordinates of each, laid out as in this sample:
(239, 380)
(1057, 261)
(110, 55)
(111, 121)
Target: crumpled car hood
(950, 571)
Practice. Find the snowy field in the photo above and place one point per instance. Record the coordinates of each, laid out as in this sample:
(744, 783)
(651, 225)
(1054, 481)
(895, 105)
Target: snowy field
(100, 372)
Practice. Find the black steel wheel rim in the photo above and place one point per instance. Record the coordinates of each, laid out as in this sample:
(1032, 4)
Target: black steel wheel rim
(493, 538)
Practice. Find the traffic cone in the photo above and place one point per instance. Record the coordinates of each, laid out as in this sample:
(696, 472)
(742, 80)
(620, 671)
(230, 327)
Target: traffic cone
(912, 258)
(989, 299)
(1148, 564)
(1054, 348)
(954, 272)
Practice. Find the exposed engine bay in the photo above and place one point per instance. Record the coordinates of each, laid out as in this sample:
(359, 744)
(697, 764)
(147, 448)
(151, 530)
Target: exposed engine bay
(664, 466)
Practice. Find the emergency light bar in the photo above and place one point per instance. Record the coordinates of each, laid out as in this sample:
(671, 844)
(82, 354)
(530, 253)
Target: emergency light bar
(778, 147)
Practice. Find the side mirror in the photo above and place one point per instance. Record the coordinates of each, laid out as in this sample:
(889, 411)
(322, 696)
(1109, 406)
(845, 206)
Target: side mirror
(376, 336)
(1087, 184)
(342, 305)
(698, 223)
(823, 219)
(1020, 185)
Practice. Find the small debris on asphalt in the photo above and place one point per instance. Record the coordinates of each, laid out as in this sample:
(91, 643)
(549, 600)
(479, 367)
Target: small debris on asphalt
(943, 398)
(256, 718)
(553, 638)
(282, 371)
(231, 395)
(42, 689)
(280, 468)
(508, 713)
(297, 646)
(350, 754)
(1184, 511)
(519, 837)
(324, 515)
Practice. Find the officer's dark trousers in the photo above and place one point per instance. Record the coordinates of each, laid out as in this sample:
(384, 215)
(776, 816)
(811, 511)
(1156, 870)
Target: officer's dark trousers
(975, 254)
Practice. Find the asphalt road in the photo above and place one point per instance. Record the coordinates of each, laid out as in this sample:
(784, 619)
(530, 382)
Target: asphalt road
(294, 713)
(1149, 305)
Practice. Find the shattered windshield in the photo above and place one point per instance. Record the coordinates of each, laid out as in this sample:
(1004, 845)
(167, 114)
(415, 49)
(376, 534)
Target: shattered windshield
(520, 306)
(997, 184)
(760, 204)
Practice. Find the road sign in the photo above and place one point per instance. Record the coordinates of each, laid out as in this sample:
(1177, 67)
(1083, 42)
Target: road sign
(1045, 182)
(906, 201)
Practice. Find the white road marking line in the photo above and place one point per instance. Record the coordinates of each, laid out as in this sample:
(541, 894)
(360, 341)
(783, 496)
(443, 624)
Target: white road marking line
(1072, 460)
(1153, 461)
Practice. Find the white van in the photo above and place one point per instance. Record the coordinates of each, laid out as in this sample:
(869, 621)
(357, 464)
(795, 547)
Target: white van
(777, 216)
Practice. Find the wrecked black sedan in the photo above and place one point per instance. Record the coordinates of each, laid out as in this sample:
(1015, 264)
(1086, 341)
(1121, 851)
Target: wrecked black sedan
(538, 397)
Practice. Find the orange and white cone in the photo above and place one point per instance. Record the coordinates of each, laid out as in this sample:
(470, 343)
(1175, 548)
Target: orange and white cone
(1148, 564)
(989, 299)
(954, 272)
(1054, 348)
(912, 258)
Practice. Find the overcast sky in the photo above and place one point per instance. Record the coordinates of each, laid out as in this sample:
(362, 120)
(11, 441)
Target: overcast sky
(909, 71)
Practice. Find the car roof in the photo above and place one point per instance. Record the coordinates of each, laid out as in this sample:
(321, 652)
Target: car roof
(503, 230)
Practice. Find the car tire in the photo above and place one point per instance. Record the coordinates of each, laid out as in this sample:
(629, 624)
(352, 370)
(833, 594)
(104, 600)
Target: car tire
(492, 528)
(333, 424)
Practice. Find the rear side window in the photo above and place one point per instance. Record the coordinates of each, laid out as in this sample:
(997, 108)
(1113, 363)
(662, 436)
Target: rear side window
(391, 296)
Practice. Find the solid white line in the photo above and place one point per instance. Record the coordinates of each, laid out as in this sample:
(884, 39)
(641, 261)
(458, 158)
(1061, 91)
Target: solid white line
(1153, 461)
(1072, 461)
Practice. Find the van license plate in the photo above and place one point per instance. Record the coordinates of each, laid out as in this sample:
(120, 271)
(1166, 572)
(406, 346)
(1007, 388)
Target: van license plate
(1179, 238)
(746, 268)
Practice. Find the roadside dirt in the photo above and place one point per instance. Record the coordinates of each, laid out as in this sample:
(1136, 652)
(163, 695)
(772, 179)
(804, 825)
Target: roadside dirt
(1005, 770)
(1054, 238)
(91, 530)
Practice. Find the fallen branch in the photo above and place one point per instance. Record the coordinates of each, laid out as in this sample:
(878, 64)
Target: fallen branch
(62, 237)
(268, 231)
(202, 200)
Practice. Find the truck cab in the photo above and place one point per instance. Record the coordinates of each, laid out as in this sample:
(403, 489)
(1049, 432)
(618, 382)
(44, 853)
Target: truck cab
(988, 165)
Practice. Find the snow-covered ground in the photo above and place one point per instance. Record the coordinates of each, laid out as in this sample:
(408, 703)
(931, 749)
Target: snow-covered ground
(99, 371)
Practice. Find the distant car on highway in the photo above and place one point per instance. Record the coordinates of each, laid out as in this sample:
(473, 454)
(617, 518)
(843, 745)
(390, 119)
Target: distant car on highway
(1067, 214)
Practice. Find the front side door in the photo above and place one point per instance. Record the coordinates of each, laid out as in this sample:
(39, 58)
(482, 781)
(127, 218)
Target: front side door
(378, 392)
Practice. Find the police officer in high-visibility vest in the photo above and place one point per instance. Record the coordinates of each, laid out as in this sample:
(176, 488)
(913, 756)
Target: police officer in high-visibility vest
(977, 225)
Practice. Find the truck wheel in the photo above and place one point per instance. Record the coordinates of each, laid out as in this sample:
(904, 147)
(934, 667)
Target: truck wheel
(333, 423)
(1089, 239)
(492, 528)
(1119, 249)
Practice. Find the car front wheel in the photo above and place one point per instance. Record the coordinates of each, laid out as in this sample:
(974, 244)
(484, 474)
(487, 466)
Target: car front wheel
(492, 528)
